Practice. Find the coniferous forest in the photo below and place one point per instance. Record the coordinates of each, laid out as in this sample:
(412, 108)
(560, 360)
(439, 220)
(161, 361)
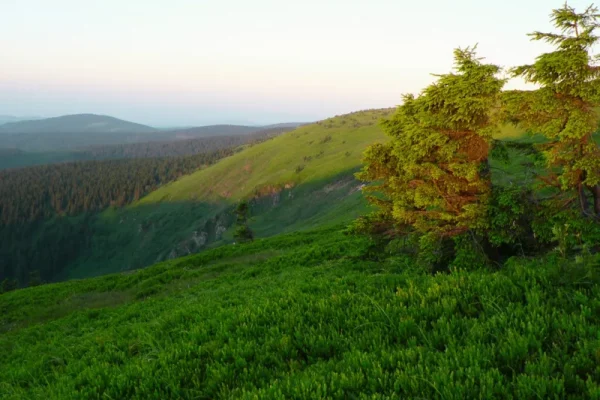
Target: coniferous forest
(34, 193)
(47, 210)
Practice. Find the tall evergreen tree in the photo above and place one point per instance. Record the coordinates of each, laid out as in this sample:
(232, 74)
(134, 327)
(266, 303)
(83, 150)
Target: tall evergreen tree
(434, 172)
(563, 108)
(243, 233)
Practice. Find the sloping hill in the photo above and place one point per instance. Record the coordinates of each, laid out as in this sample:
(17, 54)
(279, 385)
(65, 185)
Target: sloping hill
(226, 130)
(195, 213)
(310, 153)
(212, 130)
(77, 123)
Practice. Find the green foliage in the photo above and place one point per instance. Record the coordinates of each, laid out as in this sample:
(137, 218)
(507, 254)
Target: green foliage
(8, 285)
(243, 233)
(434, 252)
(300, 316)
(563, 109)
(326, 139)
(511, 214)
(566, 228)
(469, 252)
(433, 173)
(35, 278)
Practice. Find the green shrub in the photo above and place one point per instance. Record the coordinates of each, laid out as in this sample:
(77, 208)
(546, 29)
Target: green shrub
(313, 322)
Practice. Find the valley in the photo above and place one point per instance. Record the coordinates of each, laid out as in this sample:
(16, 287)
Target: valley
(297, 180)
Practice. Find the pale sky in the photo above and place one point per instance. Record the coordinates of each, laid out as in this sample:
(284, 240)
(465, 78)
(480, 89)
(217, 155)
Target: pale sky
(194, 62)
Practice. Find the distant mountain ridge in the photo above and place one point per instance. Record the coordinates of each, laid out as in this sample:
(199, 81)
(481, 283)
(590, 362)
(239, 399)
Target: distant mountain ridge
(4, 119)
(96, 123)
(227, 129)
(77, 123)
(212, 130)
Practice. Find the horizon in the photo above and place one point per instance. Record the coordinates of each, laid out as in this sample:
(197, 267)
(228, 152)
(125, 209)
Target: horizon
(191, 64)
(28, 118)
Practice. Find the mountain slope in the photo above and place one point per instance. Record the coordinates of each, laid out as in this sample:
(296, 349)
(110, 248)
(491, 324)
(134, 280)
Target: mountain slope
(212, 130)
(310, 153)
(77, 123)
(181, 222)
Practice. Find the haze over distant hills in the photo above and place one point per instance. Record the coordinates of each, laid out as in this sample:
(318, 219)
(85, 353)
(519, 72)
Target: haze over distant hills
(80, 123)
(78, 131)
(11, 118)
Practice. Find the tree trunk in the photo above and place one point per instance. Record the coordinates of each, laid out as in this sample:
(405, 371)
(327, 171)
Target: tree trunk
(596, 193)
(583, 201)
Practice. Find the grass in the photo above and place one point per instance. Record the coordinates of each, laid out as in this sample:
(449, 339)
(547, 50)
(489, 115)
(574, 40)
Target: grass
(323, 150)
(305, 316)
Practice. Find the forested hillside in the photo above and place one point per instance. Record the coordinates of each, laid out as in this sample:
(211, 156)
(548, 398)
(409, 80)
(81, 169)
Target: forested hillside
(50, 213)
(15, 158)
(71, 133)
(72, 240)
(34, 193)
(183, 147)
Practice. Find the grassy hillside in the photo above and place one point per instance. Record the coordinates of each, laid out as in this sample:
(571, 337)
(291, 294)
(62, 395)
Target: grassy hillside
(307, 316)
(310, 153)
(195, 212)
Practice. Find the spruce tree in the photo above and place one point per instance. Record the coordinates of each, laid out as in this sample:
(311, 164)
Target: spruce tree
(433, 173)
(563, 109)
(243, 233)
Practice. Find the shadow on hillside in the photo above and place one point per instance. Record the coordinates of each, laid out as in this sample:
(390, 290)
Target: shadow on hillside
(137, 236)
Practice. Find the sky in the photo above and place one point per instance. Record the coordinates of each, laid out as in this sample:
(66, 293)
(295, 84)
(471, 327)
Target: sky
(198, 62)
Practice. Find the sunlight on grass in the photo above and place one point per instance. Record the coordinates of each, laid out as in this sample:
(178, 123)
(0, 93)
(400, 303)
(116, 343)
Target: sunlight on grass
(309, 153)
